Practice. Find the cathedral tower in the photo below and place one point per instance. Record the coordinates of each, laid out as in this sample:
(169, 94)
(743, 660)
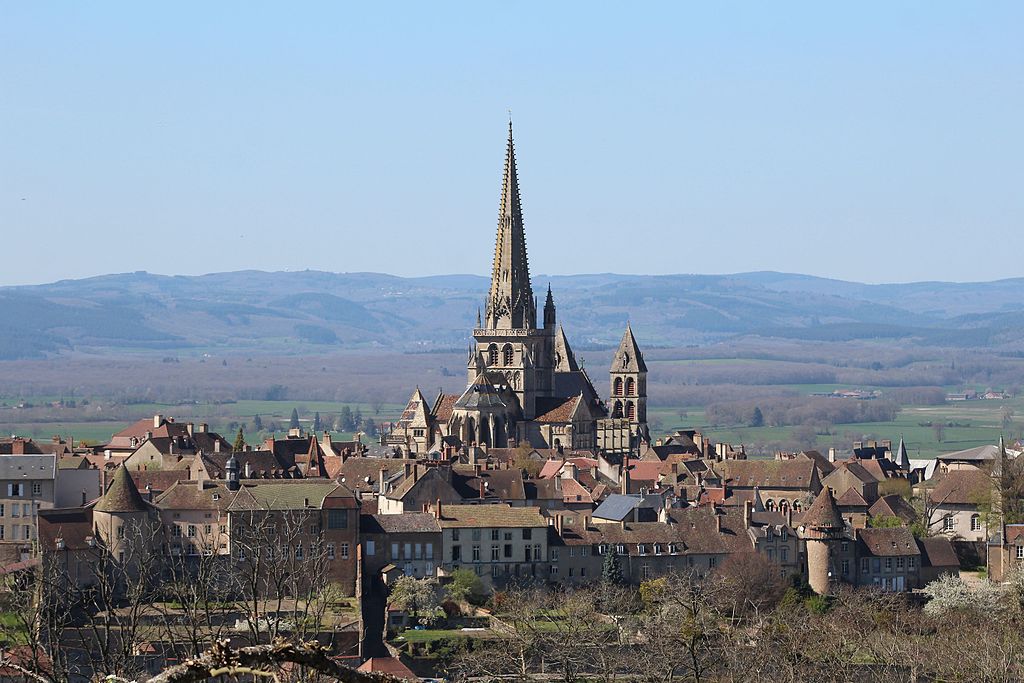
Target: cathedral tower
(510, 349)
(628, 390)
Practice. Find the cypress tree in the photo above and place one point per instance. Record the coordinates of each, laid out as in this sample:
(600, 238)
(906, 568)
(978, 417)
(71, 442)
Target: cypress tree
(611, 570)
(239, 441)
(317, 426)
(294, 424)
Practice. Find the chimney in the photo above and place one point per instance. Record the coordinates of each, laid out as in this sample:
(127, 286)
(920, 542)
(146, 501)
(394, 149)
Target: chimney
(199, 479)
(718, 517)
(408, 468)
(247, 468)
(190, 428)
(558, 524)
(382, 481)
(482, 488)
(170, 447)
(832, 454)
(437, 509)
(18, 447)
(624, 478)
(203, 427)
(747, 509)
(158, 420)
(789, 516)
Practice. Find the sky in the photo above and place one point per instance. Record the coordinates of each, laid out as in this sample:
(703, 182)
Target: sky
(870, 141)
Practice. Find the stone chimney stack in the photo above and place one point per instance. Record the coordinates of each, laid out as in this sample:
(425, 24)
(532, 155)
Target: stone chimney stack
(190, 427)
(158, 420)
(748, 507)
(624, 478)
(437, 510)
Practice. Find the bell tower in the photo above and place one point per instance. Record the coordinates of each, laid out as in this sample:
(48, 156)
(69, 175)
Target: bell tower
(628, 390)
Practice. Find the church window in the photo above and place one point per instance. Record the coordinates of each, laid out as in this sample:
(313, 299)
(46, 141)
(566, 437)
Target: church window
(617, 410)
(630, 387)
(783, 505)
(618, 386)
(631, 410)
(507, 354)
(492, 355)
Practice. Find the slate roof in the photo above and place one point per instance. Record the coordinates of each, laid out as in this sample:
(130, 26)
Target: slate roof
(121, 495)
(28, 467)
(894, 542)
(482, 394)
(262, 465)
(497, 515)
(616, 507)
(979, 454)
(444, 406)
(355, 472)
(628, 357)
(962, 487)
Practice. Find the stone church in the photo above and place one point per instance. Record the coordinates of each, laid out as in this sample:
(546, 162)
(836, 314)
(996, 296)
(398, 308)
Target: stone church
(524, 385)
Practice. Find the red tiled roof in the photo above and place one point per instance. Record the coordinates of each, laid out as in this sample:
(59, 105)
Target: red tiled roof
(962, 487)
(556, 409)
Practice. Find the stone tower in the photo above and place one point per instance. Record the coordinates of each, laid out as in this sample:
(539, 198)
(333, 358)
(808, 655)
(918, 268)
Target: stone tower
(628, 390)
(510, 350)
(125, 522)
(822, 527)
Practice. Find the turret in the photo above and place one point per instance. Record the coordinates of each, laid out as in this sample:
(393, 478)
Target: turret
(231, 473)
(549, 311)
(822, 526)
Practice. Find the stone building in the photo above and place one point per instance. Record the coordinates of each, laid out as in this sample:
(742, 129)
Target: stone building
(524, 385)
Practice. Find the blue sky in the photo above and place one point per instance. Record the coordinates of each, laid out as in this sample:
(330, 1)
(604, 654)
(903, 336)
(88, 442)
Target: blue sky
(878, 142)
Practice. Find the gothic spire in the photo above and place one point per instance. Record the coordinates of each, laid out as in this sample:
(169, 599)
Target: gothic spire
(510, 303)
(628, 358)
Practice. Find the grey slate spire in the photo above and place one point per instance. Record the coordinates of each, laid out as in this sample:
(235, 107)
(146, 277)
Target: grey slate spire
(549, 309)
(564, 359)
(510, 304)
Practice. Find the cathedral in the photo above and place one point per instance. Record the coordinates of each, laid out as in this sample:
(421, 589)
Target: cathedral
(524, 385)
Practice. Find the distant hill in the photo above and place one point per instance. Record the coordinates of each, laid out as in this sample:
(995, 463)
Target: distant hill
(255, 311)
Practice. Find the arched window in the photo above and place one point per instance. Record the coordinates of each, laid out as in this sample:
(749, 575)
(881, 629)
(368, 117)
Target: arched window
(797, 506)
(618, 386)
(783, 505)
(508, 355)
(631, 410)
(617, 410)
(769, 505)
(492, 354)
(975, 522)
(630, 387)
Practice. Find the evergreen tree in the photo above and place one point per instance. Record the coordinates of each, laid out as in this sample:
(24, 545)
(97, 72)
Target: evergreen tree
(757, 418)
(611, 570)
(357, 419)
(316, 422)
(239, 444)
(369, 426)
(257, 423)
(347, 423)
(294, 424)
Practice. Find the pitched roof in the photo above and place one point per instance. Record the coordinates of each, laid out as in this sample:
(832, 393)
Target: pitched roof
(483, 394)
(494, 515)
(565, 361)
(851, 498)
(28, 467)
(893, 505)
(72, 525)
(937, 551)
(556, 409)
(769, 474)
(628, 357)
(892, 542)
(962, 487)
(981, 453)
(407, 522)
(362, 474)
(121, 496)
(293, 494)
(388, 665)
(443, 407)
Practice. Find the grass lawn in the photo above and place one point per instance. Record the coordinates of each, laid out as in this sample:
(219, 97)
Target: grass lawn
(428, 635)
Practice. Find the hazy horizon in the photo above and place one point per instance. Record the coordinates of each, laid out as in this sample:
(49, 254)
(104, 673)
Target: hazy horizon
(878, 143)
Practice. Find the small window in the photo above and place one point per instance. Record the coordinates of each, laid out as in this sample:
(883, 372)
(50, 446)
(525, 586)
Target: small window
(947, 523)
(527, 534)
(330, 550)
(37, 488)
(344, 551)
(1020, 552)
(975, 522)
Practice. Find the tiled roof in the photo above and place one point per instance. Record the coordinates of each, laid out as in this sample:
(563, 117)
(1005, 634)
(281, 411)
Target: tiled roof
(158, 480)
(823, 513)
(121, 496)
(938, 551)
(262, 465)
(497, 484)
(73, 525)
(186, 495)
(496, 515)
(388, 665)
(894, 542)
(284, 495)
(556, 410)
(769, 474)
(357, 470)
(407, 522)
(444, 407)
(962, 487)
(851, 498)
(893, 505)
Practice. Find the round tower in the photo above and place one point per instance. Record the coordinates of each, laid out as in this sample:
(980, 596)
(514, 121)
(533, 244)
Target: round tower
(822, 526)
